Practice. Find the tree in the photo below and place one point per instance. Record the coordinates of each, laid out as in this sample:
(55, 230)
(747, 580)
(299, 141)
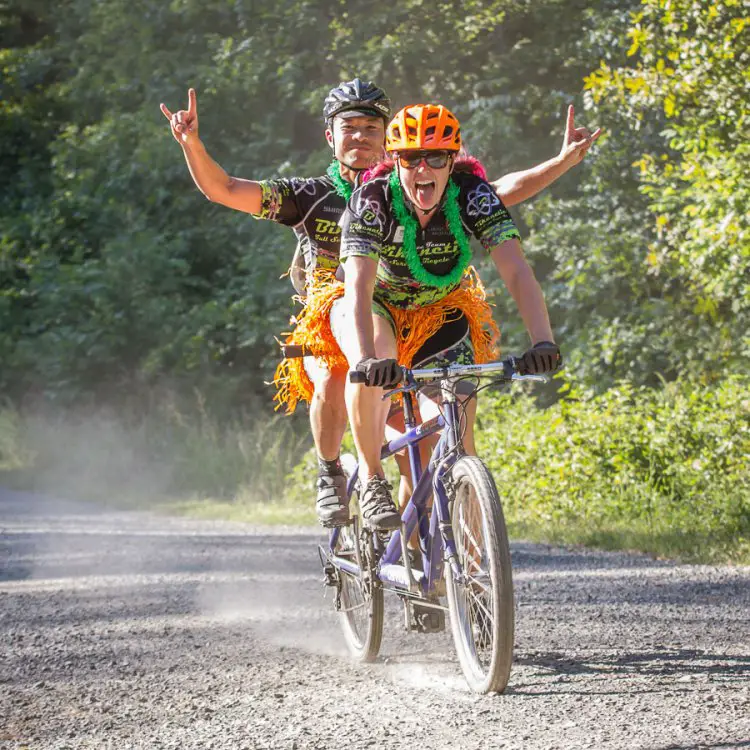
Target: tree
(649, 264)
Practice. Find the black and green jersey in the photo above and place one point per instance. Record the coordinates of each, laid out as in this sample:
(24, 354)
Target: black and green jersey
(370, 229)
(312, 208)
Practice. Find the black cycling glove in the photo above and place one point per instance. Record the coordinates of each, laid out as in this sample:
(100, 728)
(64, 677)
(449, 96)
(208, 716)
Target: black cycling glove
(542, 357)
(385, 373)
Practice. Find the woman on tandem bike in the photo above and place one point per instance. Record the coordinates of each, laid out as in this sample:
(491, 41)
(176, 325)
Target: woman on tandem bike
(411, 297)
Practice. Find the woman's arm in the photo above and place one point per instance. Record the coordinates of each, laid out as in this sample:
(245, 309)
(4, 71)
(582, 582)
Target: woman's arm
(359, 286)
(519, 278)
(517, 187)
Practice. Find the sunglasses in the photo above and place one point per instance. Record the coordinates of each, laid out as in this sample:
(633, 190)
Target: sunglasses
(433, 159)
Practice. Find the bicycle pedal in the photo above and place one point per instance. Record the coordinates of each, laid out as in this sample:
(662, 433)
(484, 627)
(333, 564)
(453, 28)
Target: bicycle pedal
(329, 576)
(428, 620)
(335, 524)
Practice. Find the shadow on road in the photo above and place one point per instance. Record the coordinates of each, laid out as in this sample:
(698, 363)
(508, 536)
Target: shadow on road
(657, 662)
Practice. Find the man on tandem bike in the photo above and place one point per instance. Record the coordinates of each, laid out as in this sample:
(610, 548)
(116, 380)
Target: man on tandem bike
(355, 114)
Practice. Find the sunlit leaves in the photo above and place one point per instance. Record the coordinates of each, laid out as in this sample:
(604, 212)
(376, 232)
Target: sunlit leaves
(686, 75)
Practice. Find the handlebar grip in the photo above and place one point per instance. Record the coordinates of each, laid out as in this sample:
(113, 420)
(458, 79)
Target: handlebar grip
(293, 351)
(355, 376)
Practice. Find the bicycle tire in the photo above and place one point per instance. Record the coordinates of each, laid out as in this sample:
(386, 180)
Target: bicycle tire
(362, 607)
(482, 630)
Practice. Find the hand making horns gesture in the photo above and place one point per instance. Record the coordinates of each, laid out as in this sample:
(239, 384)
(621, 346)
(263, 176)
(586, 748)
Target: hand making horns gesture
(577, 141)
(184, 123)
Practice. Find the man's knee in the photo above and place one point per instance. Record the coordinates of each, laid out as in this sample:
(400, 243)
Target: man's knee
(329, 386)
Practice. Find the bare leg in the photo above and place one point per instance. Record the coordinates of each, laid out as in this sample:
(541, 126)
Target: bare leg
(406, 484)
(327, 411)
(468, 425)
(365, 406)
(328, 423)
(405, 488)
(367, 410)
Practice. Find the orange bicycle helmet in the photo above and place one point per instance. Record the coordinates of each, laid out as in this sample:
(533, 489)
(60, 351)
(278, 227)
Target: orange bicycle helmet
(423, 127)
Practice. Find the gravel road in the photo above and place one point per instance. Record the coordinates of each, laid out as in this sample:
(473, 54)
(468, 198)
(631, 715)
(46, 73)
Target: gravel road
(129, 630)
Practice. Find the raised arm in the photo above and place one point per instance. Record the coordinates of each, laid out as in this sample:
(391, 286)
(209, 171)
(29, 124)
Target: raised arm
(209, 177)
(517, 187)
(520, 281)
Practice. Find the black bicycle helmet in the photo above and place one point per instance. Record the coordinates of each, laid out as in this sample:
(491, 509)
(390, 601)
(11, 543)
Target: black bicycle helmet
(358, 98)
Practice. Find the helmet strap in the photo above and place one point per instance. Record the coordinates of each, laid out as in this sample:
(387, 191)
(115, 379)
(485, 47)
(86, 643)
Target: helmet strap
(353, 169)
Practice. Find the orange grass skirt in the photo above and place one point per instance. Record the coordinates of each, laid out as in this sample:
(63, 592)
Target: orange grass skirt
(413, 328)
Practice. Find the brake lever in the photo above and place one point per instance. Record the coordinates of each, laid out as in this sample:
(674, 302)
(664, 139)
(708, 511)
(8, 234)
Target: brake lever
(409, 385)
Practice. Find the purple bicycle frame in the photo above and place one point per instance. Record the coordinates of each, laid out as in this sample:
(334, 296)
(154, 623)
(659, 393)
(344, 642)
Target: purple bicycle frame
(434, 529)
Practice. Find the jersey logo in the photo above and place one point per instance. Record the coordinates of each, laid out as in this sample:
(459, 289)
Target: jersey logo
(481, 201)
(306, 187)
(371, 213)
(327, 226)
(398, 235)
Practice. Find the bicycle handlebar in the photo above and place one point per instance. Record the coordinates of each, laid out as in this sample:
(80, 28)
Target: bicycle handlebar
(293, 351)
(508, 367)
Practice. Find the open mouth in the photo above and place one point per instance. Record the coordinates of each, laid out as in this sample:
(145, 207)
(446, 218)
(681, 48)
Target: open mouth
(425, 192)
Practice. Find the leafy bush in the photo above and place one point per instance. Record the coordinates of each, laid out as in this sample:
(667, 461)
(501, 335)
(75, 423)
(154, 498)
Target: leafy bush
(666, 463)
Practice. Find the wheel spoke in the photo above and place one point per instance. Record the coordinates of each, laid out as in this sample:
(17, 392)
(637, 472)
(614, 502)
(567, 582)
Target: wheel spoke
(477, 604)
(466, 528)
(485, 585)
(354, 601)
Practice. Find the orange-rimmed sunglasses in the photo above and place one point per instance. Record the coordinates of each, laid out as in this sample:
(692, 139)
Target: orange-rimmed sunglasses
(433, 159)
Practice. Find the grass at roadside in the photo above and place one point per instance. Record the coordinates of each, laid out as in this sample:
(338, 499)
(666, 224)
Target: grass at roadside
(664, 471)
(661, 471)
(675, 545)
(262, 514)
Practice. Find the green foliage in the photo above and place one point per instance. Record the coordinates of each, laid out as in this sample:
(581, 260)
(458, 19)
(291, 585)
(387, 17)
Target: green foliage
(671, 461)
(114, 272)
(692, 61)
(650, 266)
(104, 234)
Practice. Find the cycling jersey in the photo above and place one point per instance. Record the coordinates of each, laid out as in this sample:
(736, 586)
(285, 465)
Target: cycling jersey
(312, 208)
(370, 229)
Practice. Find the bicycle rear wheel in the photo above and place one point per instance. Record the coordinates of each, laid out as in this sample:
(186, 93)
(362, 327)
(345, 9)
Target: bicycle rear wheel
(361, 599)
(481, 606)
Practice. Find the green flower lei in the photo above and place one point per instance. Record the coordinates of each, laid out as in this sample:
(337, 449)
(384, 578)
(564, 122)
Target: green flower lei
(453, 215)
(340, 185)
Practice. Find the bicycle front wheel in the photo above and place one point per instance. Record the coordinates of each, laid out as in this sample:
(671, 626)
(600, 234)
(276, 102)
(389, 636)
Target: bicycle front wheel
(481, 605)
